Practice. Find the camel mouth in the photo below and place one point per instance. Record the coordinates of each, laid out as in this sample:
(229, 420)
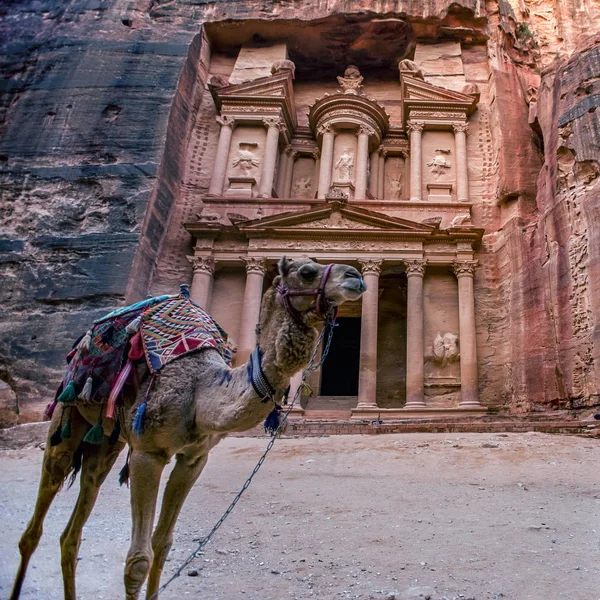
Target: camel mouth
(354, 288)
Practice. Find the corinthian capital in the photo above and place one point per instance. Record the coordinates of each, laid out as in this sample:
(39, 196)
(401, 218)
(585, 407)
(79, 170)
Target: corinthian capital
(202, 264)
(363, 129)
(273, 122)
(415, 126)
(225, 121)
(464, 127)
(371, 266)
(324, 128)
(464, 268)
(255, 265)
(415, 266)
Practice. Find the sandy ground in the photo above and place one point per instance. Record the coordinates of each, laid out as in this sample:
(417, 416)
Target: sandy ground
(463, 516)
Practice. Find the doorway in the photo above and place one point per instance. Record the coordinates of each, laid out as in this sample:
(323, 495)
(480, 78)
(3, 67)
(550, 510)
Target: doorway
(339, 373)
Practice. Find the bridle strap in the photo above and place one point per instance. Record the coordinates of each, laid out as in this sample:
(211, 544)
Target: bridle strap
(320, 303)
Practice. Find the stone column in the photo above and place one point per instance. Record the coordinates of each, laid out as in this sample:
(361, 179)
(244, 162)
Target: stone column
(315, 182)
(362, 163)
(464, 271)
(222, 155)
(381, 173)
(270, 160)
(255, 274)
(202, 281)
(367, 377)
(283, 160)
(373, 180)
(462, 174)
(416, 129)
(295, 382)
(289, 171)
(415, 372)
(326, 160)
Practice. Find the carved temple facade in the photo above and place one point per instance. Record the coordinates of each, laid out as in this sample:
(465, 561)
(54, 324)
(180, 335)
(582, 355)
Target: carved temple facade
(333, 172)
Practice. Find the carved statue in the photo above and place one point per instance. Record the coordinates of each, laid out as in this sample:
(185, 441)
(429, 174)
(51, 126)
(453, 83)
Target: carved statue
(445, 349)
(352, 80)
(439, 163)
(396, 185)
(410, 67)
(245, 159)
(302, 187)
(461, 219)
(344, 166)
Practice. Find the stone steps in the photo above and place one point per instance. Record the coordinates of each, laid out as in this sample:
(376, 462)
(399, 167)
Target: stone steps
(306, 427)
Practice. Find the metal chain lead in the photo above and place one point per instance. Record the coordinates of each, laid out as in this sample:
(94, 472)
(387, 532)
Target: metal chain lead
(327, 330)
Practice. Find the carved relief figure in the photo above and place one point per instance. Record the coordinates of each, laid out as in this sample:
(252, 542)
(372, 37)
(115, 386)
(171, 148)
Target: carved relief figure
(445, 349)
(395, 185)
(439, 163)
(344, 166)
(245, 160)
(302, 188)
(352, 80)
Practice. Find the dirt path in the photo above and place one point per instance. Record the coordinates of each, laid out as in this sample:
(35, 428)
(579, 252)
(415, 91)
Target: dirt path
(479, 516)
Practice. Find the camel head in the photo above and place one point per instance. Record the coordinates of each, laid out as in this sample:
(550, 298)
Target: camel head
(302, 279)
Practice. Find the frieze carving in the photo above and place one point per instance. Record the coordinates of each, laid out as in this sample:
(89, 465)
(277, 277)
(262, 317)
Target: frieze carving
(335, 221)
(202, 264)
(439, 163)
(415, 126)
(464, 127)
(371, 266)
(415, 267)
(351, 114)
(351, 82)
(464, 268)
(445, 349)
(436, 114)
(255, 265)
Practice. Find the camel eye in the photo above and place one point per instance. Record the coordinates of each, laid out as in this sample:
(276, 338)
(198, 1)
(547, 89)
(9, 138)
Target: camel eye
(307, 272)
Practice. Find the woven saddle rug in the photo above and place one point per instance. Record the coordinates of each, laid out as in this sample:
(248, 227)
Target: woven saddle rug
(160, 330)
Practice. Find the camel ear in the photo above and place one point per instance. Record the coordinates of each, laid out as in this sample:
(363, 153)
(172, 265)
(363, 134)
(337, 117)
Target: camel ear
(284, 266)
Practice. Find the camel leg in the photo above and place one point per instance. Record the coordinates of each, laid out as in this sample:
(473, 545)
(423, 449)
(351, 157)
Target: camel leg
(146, 469)
(182, 478)
(55, 468)
(97, 463)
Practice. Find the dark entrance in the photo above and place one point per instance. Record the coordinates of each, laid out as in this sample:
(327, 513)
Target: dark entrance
(339, 373)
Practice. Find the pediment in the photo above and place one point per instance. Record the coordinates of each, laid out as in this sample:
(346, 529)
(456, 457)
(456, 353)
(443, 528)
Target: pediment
(279, 85)
(417, 89)
(418, 94)
(334, 218)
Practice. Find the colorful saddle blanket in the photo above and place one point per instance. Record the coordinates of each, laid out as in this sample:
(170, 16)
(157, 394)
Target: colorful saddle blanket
(160, 329)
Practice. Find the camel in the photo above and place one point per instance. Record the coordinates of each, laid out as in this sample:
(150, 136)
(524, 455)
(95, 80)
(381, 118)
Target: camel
(195, 402)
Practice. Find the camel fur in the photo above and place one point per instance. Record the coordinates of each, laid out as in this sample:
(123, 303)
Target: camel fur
(195, 402)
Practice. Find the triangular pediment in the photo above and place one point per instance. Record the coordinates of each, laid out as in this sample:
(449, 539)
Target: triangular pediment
(417, 89)
(334, 217)
(279, 85)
